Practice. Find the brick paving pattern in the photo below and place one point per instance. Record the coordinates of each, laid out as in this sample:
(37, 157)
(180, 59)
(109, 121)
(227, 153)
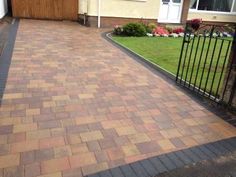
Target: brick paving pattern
(182, 163)
(75, 105)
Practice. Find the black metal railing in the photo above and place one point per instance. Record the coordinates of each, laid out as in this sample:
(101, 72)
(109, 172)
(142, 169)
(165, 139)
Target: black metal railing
(207, 60)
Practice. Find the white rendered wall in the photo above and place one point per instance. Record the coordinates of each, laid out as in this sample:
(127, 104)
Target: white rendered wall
(3, 8)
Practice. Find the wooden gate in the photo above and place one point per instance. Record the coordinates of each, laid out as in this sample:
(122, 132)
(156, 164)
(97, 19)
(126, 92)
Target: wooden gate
(46, 9)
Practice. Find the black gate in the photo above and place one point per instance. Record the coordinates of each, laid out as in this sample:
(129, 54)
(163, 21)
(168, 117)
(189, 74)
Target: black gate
(207, 61)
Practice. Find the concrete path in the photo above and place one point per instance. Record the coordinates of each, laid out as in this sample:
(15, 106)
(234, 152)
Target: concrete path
(75, 105)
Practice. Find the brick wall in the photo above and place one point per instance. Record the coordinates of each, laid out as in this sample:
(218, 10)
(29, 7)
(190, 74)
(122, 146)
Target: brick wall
(185, 11)
(110, 22)
(230, 94)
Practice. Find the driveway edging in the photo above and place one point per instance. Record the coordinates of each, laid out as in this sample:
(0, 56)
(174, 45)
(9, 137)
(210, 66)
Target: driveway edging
(142, 58)
(5, 58)
(165, 163)
(170, 78)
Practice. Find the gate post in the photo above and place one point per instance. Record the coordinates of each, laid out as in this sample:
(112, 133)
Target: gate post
(229, 87)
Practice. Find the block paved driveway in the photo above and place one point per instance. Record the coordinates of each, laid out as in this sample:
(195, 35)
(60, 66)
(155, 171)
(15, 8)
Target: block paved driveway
(74, 105)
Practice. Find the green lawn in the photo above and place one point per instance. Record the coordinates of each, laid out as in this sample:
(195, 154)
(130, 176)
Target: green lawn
(165, 52)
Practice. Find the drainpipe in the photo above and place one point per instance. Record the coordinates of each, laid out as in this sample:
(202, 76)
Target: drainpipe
(99, 13)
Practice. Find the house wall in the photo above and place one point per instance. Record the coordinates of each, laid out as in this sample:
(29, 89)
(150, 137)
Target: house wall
(130, 8)
(119, 12)
(123, 11)
(211, 17)
(122, 8)
(3, 8)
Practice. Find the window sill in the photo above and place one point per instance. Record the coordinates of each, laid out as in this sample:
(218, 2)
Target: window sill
(211, 12)
(137, 0)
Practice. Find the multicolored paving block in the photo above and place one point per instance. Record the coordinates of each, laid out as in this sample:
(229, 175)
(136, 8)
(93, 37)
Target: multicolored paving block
(75, 105)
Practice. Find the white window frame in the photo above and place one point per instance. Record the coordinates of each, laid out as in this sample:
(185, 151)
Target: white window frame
(213, 12)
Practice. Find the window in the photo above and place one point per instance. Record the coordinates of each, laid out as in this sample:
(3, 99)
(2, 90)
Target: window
(234, 8)
(193, 4)
(228, 6)
(176, 1)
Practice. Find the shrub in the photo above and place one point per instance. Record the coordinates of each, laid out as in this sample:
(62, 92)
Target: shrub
(147, 28)
(134, 29)
(152, 26)
(195, 24)
(118, 30)
(178, 30)
(169, 29)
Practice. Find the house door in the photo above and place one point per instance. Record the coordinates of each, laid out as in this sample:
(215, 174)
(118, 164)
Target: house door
(170, 11)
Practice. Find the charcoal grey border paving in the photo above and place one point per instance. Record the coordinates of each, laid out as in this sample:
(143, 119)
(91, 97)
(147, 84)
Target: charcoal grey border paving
(5, 58)
(226, 114)
(167, 162)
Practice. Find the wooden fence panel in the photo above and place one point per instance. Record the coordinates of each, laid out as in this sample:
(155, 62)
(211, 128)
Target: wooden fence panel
(20, 8)
(46, 9)
(70, 9)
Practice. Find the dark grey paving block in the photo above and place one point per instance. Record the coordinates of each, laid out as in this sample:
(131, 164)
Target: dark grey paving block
(227, 145)
(116, 172)
(185, 159)
(221, 148)
(94, 175)
(232, 122)
(127, 171)
(139, 170)
(105, 174)
(6, 56)
(149, 167)
(158, 165)
(178, 163)
(213, 149)
(232, 142)
(192, 155)
(167, 162)
(233, 174)
(208, 152)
